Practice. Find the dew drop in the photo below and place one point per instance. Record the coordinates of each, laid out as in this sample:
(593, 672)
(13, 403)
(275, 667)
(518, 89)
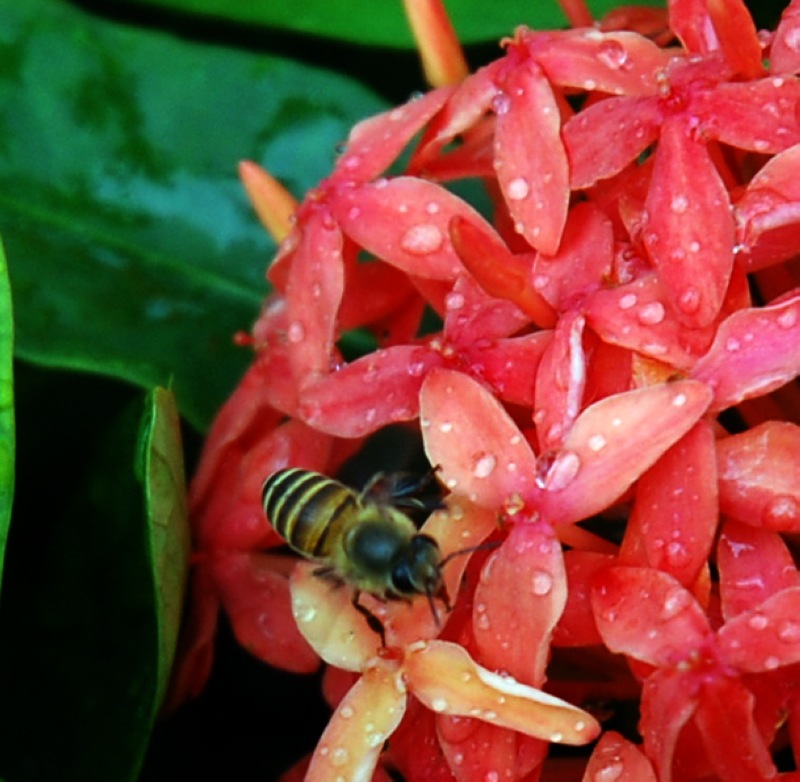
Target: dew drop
(792, 39)
(609, 772)
(346, 712)
(771, 663)
(422, 239)
(439, 705)
(491, 776)
(296, 333)
(597, 442)
(501, 104)
(789, 632)
(627, 301)
(556, 737)
(354, 212)
(340, 757)
(758, 621)
(651, 314)
(446, 426)
(732, 344)
(689, 300)
(518, 189)
(484, 465)
(679, 400)
(612, 54)
(562, 471)
(454, 301)
(304, 612)
(679, 204)
(541, 583)
(352, 162)
(788, 319)
(676, 601)
(781, 512)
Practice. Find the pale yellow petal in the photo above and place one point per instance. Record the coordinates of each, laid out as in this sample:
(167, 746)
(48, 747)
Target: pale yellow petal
(365, 718)
(447, 680)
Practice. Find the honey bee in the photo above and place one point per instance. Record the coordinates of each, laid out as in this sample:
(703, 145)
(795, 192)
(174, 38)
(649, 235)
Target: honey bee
(367, 539)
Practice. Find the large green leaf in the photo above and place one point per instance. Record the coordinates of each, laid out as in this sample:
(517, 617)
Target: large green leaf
(94, 579)
(6, 406)
(382, 23)
(161, 471)
(132, 248)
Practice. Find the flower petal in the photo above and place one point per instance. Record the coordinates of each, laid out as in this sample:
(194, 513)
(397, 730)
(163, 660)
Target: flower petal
(753, 565)
(530, 159)
(366, 717)
(724, 717)
(633, 123)
(405, 222)
(618, 760)
(759, 472)
(376, 142)
(560, 382)
(612, 443)
(447, 680)
(519, 599)
(648, 615)
(329, 622)
(254, 589)
(766, 637)
(487, 463)
(755, 351)
(689, 234)
(784, 54)
(677, 502)
(371, 392)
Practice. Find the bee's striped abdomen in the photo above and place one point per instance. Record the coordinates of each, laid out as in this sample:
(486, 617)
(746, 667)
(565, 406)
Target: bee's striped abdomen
(306, 509)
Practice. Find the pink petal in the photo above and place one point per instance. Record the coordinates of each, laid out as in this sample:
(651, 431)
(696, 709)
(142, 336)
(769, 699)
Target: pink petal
(560, 382)
(373, 391)
(639, 316)
(760, 476)
(755, 351)
(328, 621)
(612, 443)
(374, 291)
(784, 54)
(415, 750)
(753, 565)
(254, 589)
(618, 760)
(487, 464)
(768, 214)
(313, 293)
(376, 142)
(583, 262)
(473, 316)
(690, 234)
(405, 222)
(619, 62)
(471, 99)
(766, 637)
(633, 123)
(724, 717)
(648, 615)
(530, 159)
(509, 365)
(756, 115)
(577, 626)
(520, 597)
(677, 502)
(351, 744)
(668, 702)
(448, 681)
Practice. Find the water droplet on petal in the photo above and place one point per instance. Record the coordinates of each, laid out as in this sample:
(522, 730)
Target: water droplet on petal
(454, 301)
(561, 471)
(788, 319)
(296, 333)
(651, 314)
(609, 773)
(612, 54)
(732, 344)
(789, 632)
(781, 512)
(679, 204)
(597, 442)
(501, 104)
(340, 757)
(758, 621)
(439, 704)
(676, 601)
(627, 301)
(541, 583)
(689, 300)
(422, 239)
(518, 189)
(484, 465)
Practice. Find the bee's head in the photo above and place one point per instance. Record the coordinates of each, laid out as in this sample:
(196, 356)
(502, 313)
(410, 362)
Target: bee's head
(417, 570)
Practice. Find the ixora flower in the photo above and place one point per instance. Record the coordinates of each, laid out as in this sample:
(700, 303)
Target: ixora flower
(598, 356)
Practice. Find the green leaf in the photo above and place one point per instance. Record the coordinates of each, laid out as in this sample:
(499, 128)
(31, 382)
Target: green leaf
(132, 247)
(383, 24)
(161, 470)
(6, 406)
(88, 611)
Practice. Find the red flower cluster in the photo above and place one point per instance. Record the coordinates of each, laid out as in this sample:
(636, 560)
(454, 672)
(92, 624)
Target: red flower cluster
(635, 279)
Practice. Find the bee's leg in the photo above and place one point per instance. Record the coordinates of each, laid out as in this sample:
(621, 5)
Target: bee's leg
(373, 622)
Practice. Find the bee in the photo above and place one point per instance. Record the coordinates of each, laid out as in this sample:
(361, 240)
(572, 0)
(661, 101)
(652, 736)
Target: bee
(367, 539)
